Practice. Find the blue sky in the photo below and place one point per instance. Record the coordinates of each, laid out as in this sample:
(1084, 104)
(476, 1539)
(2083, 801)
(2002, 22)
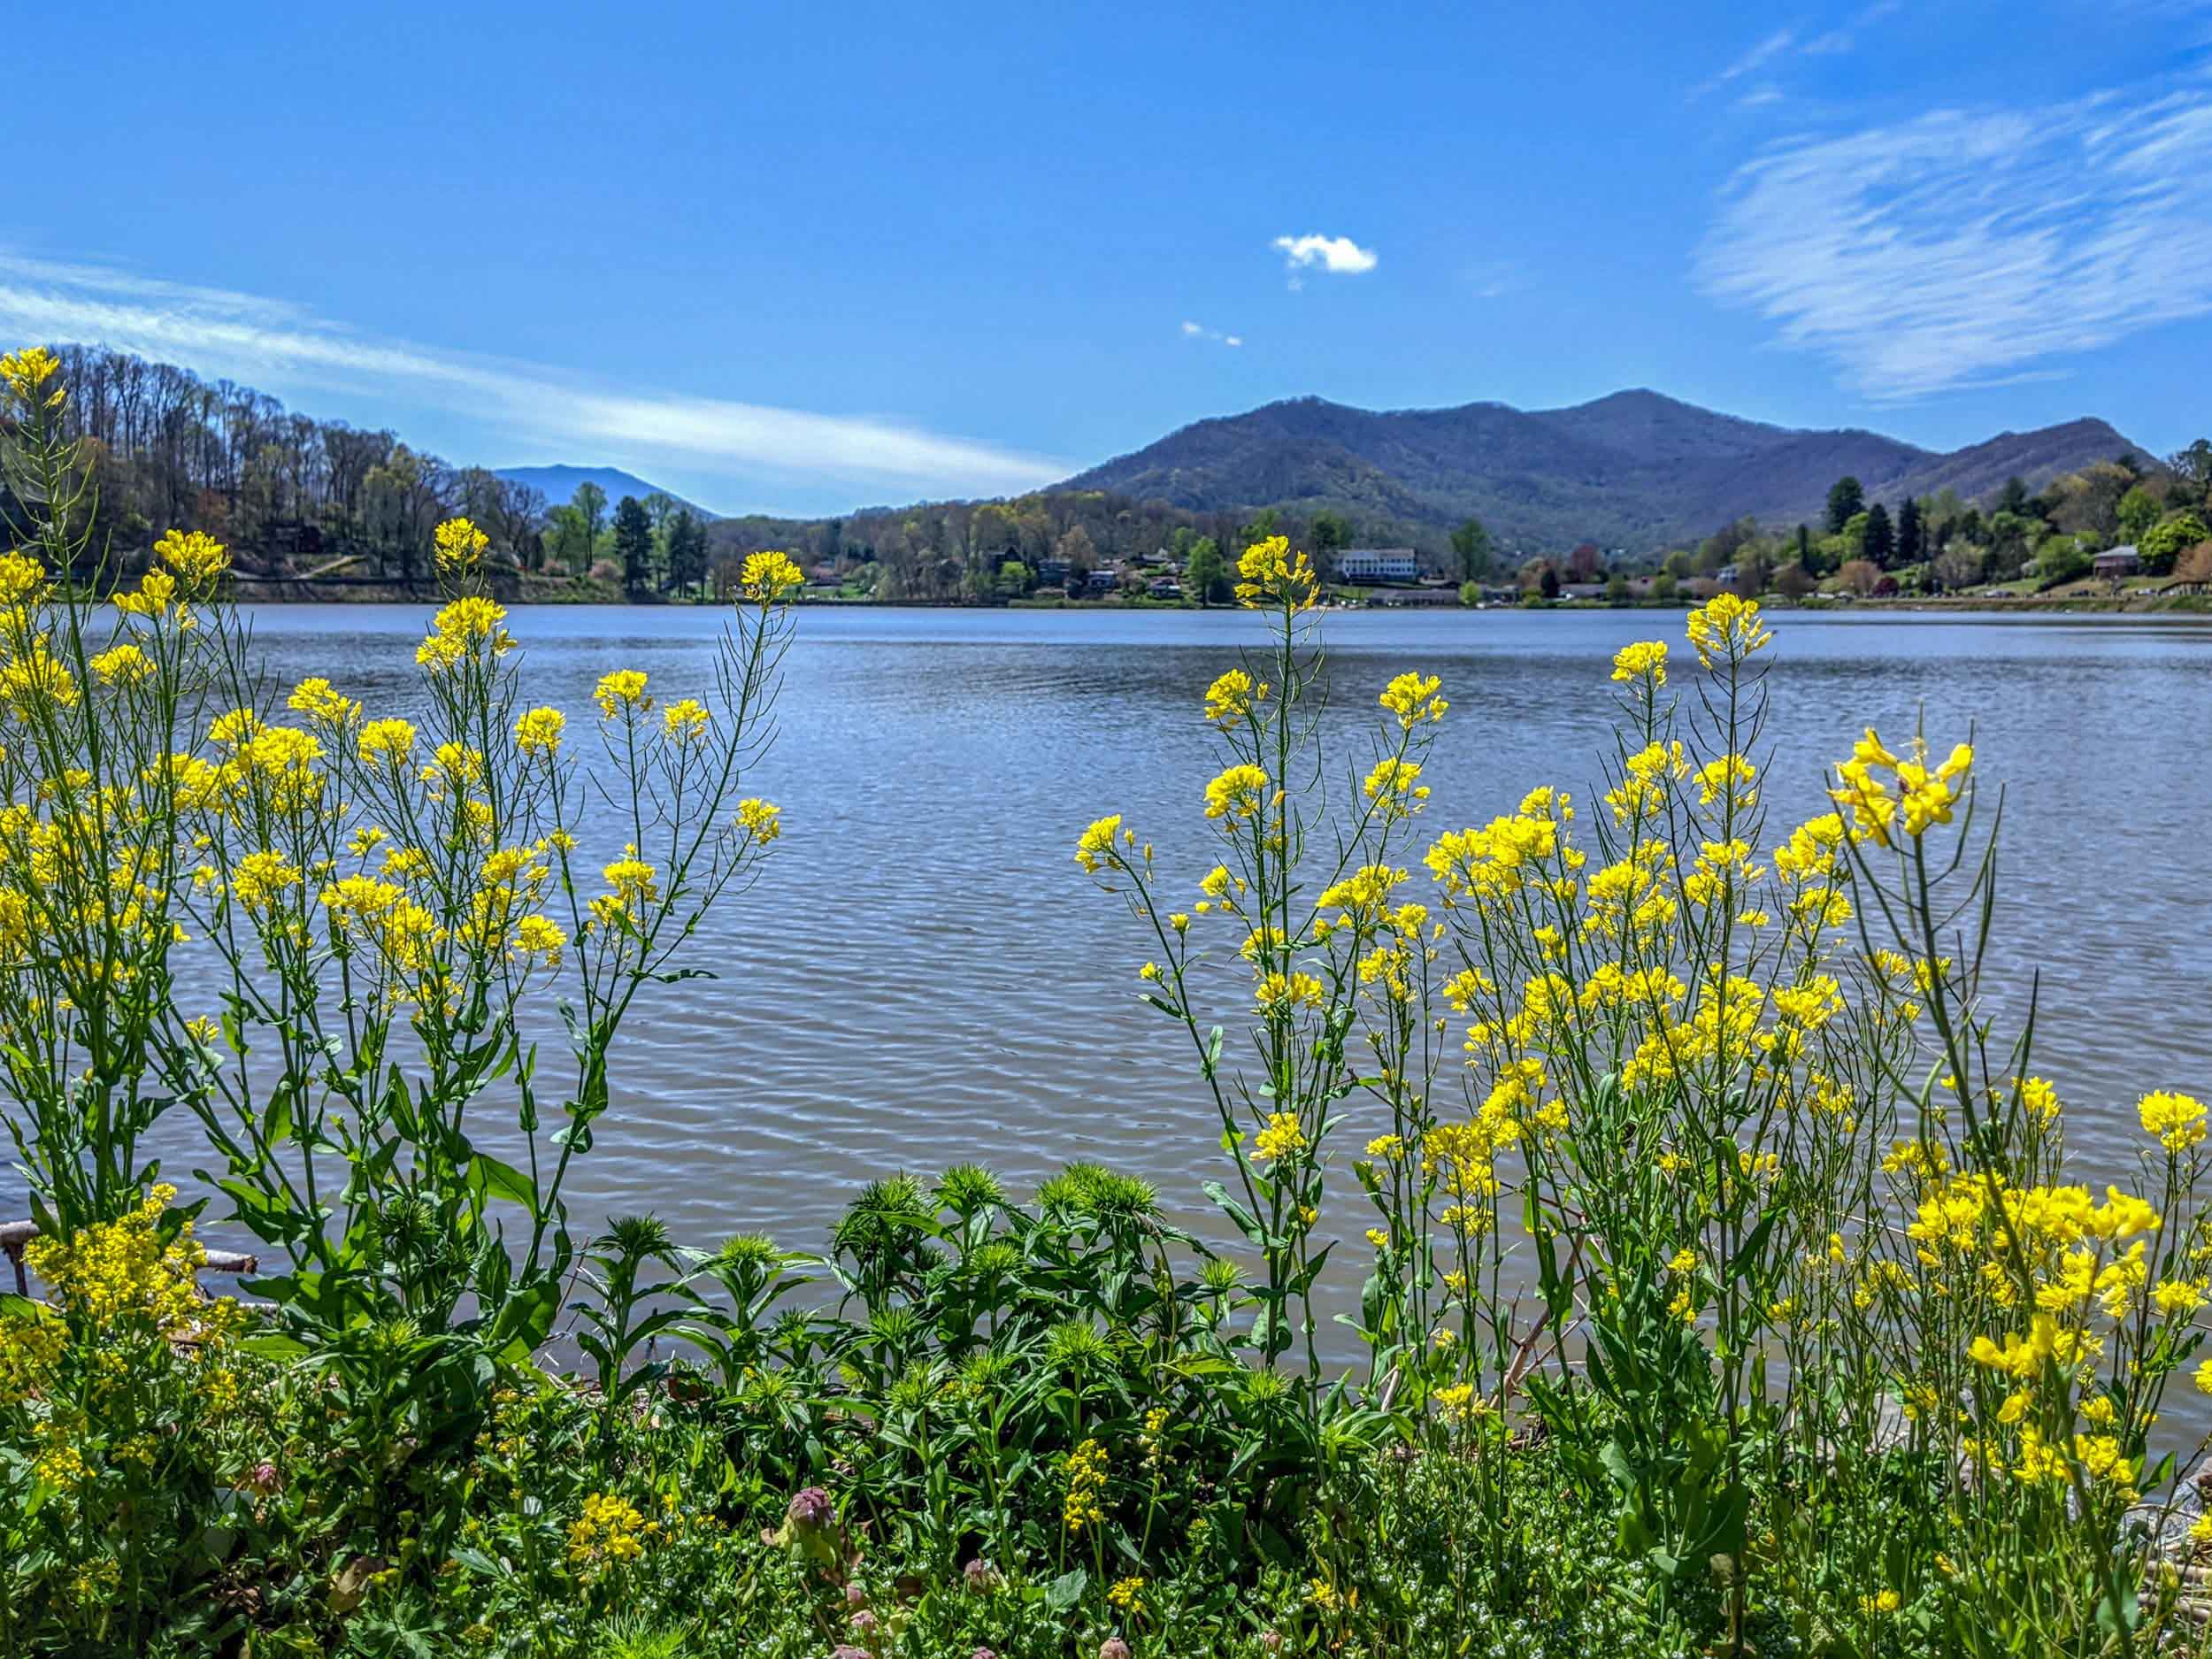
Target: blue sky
(802, 258)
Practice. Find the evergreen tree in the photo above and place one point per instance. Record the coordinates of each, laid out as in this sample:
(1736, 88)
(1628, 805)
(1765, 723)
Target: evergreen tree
(1881, 539)
(634, 544)
(1911, 545)
(687, 551)
(1847, 500)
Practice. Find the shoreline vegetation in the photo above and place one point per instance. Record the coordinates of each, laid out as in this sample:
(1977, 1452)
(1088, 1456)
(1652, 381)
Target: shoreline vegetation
(322, 512)
(1724, 1287)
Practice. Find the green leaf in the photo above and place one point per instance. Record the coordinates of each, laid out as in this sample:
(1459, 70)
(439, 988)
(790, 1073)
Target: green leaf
(504, 1181)
(1066, 1590)
(1247, 1223)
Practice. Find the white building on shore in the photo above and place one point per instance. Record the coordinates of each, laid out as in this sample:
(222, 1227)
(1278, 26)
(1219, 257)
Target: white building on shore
(1379, 565)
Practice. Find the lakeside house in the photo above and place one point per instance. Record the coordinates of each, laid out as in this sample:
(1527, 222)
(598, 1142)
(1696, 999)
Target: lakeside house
(1376, 567)
(1105, 581)
(2116, 563)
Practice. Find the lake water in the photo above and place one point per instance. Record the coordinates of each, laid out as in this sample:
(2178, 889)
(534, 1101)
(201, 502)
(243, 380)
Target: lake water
(924, 976)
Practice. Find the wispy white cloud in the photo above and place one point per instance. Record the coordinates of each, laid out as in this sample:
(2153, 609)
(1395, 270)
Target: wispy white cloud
(1764, 53)
(1963, 246)
(1783, 45)
(1759, 97)
(1340, 256)
(243, 337)
(1488, 279)
(1194, 331)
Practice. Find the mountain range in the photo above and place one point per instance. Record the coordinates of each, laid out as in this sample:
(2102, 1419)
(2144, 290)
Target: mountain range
(1636, 469)
(559, 484)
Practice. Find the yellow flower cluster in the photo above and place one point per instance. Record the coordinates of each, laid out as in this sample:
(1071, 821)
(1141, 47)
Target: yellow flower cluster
(762, 820)
(1229, 699)
(2175, 1121)
(126, 1275)
(608, 1531)
(1095, 847)
(1921, 795)
(768, 577)
(1273, 576)
(1643, 663)
(1727, 630)
(468, 625)
(623, 689)
(1282, 1136)
(1413, 699)
(198, 558)
(27, 371)
(1239, 792)
(1086, 1485)
(459, 546)
(538, 731)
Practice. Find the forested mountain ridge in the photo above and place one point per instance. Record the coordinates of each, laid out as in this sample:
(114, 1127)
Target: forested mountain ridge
(1635, 470)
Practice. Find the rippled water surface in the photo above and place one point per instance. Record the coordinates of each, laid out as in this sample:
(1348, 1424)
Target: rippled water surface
(926, 977)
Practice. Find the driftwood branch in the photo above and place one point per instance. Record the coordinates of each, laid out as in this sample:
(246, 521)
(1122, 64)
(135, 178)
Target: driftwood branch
(15, 1234)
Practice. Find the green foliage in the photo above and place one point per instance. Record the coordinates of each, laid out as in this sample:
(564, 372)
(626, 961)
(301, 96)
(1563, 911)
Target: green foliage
(2166, 541)
(1726, 1289)
(1847, 499)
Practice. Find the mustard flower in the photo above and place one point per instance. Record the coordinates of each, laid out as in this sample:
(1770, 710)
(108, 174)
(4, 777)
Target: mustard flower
(26, 370)
(1230, 699)
(1238, 793)
(762, 820)
(769, 576)
(623, 689)
(1643, 663)
(124, 666)
(460, 545)
(1413, 699)
(685, 719)
(198, 558)
(2176, 1121)
(1282, 1135)
(1273, 575)
(538, 731)
(1727, 628)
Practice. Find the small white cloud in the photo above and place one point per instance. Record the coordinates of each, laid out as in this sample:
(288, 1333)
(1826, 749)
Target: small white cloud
(1232, 339)
(1197, 331)
(1759, 97)
(1340, 256)
(1192, 329)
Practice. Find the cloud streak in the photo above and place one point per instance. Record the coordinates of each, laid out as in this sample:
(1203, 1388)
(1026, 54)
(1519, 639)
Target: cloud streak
(1965, 248)
(1195, 331)
(244, 336)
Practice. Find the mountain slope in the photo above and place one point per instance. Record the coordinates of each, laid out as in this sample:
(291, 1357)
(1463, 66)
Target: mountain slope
(1635, 470)
(559, 483)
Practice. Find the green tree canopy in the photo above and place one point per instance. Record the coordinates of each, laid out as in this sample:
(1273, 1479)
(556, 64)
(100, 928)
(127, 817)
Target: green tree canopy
(1205, 572)
(1470, 543)
(2163, 543)
(1881, 536)
(633, 543)
(1847, 499)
